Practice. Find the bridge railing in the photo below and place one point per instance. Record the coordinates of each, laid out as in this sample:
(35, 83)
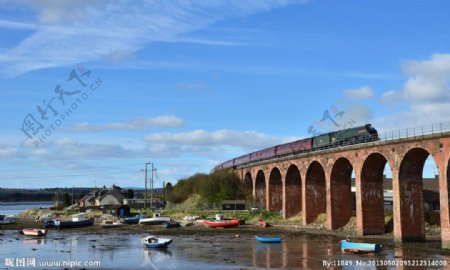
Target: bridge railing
(414, 132)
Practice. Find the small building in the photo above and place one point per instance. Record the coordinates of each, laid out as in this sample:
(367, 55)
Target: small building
(112, 197)
(233, 205)
(116, 210)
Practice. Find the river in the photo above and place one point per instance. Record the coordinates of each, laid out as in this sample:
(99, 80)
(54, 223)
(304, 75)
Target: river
(15, 208)
(218, 250)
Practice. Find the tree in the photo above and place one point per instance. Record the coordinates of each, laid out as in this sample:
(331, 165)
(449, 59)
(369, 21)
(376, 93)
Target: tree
(130, 193)
(66, 199)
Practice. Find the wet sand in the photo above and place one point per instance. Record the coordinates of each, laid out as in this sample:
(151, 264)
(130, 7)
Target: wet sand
(199, 247)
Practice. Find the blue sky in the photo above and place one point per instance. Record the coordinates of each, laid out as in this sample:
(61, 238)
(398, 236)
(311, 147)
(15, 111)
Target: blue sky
(189, 85)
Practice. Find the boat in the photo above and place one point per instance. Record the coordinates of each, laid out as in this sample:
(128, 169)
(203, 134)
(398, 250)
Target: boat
(155, 220)
(263, 224)
(171, 224)
(222, 223)
(268, 239)
(78, 220)
(110, 224)
(33, 232)
(354, 247)
(132, 220)
(5, 220)
(155, 242)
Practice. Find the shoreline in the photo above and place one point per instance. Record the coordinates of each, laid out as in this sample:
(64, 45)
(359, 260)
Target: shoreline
(200, 228)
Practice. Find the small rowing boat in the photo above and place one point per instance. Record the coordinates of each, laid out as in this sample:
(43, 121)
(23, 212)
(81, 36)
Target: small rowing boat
(110, 224)
(268, 239)
(155, 220)
(33, 232)
(263, 224)
(132, 220)
(222, 223)
(155, 242)
(353, 247)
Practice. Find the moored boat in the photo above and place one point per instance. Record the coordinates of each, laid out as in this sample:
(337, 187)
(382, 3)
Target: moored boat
(110, 224)
(222, 223)
(33, 232)
(155, 220)
(268, 239)
(155, 242)
(263, 224)
(171, 224)
(132, 220)
(78, 220)
(5, 220)
(354, 247)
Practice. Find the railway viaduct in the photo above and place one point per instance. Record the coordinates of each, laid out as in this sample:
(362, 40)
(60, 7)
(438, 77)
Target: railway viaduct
(320, 182)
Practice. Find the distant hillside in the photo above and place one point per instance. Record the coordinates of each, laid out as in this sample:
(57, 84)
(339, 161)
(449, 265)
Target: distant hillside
(49, 194)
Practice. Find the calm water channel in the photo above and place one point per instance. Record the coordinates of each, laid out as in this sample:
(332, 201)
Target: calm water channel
(120, 250)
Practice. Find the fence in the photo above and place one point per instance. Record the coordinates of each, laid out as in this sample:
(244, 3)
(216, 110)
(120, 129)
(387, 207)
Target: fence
(416, 131)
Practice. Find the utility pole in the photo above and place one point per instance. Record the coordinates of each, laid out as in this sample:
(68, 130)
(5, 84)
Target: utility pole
(145, 196)
(151, 191)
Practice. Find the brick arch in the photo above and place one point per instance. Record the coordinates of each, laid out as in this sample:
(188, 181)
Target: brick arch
(372, 199)
(340, 193)
(315, 193)
(412, 224)
(260, 190)
(248, 185)
(275, 190)
(293, 187)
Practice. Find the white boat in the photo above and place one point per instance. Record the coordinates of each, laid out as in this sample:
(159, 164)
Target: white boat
(4, 220)
(34, 232)
(155, 242)
(155, 220)
(110, 224)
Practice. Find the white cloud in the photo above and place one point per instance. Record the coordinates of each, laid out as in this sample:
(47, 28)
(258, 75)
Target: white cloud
(167, 121)
(7, 151)
(391, 98)
(359, 93)
(70, 32)
(426, 93)
(234, 138)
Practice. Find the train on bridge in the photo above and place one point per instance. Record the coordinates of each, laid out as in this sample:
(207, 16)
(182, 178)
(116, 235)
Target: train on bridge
(355, 135)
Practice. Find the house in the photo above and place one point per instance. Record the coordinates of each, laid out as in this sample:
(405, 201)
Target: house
(99, 197)
(111, 197)
(87, 201)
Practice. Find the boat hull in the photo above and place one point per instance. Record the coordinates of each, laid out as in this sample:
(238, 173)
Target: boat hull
(73, 224)
(34, 232)
(153, 242)
(221, 224)
(268, 239)
(154, 220)
(352, 247)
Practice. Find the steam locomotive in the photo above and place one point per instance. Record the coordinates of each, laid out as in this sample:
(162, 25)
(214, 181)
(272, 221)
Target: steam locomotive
(355, 135)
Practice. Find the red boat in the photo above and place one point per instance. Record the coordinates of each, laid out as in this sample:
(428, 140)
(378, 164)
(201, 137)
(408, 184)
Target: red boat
(222, 223)
(34, 232)
(263, 224)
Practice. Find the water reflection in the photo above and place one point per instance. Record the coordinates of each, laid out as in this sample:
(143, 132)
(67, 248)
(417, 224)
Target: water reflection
(157, 258)
(302, 251)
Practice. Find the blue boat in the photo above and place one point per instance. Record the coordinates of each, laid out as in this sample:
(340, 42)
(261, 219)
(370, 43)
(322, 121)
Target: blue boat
(155, 242)
(171, 224)
(132, 220)
(268, 239)
(347, 246)
(78, 220)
